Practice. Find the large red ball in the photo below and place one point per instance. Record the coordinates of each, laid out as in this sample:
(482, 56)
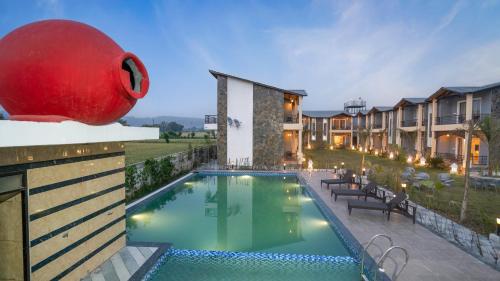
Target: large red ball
(58, 70)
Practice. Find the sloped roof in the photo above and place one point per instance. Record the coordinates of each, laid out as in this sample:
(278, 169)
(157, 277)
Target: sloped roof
(462, 90)
(362, 112)
(380, 109)
(296, 92)
(323, 113)
(410, 101)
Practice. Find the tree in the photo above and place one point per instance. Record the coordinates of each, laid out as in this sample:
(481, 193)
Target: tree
(170, 126)
(192, 135)
(166, 137)
(486, 131)
(123, 122)
(471, 129)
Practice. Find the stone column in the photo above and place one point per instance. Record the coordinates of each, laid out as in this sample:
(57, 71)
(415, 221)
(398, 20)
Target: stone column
(398, 126)
(418, 142)
(433, 126)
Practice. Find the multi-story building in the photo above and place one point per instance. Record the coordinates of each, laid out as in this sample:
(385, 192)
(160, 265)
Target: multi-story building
(452, 108)
(411, 118)
(254, 117)
(377, 118)
(327, 128)
(257, 124)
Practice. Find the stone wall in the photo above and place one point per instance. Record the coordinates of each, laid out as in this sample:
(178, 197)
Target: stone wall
(221, 120)
(494, 144)
(268, 117)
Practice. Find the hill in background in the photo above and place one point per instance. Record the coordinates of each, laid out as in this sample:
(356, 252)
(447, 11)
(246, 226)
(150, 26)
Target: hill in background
(189, 123)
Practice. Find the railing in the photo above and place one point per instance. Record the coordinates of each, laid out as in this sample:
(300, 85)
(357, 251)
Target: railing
(377, 125)
(458, 118)
(479, 159)
(424, 122)
(409, 123)
(450, 119)
(210, 119)
(479, 117)
(451, 157)
(346, 126)
(291, 118)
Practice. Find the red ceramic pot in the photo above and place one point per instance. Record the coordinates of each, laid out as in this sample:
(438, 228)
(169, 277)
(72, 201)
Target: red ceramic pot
(57, 70)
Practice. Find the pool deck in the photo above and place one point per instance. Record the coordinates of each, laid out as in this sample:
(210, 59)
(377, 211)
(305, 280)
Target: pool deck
(431, 257)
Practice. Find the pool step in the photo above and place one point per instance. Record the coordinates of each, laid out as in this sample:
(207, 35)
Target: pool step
(122, 265)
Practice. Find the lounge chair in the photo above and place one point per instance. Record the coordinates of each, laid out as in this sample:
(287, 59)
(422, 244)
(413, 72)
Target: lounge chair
(398, 204)
(347, 178)
(370, 190)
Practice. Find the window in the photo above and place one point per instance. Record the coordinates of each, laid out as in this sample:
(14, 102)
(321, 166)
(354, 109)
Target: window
(476, 107)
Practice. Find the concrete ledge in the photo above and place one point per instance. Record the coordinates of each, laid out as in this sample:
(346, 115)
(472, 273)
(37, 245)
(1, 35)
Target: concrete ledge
(27, 133)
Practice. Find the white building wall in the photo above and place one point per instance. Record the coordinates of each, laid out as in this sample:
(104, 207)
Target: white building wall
(240, 107)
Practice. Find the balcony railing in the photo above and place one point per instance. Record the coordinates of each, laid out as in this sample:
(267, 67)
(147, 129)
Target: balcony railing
(451, 157)
(377, 125)
(210, 119)
(291, 118)
(409, 123)
(479, 159)
(341, 126)
(450, 119)
(458, 119)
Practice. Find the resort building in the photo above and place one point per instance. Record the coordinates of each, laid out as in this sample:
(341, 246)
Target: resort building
(257, 124)
(452, 108)
(411, 122)
(377, 118)
(410, 125)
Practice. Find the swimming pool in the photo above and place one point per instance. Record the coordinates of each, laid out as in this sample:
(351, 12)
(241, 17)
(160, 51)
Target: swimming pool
(244, 226)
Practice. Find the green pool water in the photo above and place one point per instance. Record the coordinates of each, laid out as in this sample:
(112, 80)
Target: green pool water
(240, 213)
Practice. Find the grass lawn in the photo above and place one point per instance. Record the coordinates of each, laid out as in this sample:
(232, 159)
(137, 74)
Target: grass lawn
(140, 151)
(483, 208)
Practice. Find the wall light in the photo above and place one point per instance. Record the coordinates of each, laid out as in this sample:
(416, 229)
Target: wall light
(376, 152)
(331, 147)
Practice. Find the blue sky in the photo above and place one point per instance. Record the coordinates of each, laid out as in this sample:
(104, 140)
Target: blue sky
(336, 50)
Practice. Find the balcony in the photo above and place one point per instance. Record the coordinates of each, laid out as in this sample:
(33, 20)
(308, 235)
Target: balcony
(290, 118)
(210, 122)
(451, 157)
(345, 126)
(409, 123)
(458, 119)
(450, 119)
(377, 125)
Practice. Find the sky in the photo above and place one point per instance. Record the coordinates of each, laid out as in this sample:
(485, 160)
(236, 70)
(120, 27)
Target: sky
(380, 51)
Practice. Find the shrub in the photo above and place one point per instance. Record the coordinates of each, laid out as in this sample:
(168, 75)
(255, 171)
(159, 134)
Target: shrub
(436, 162)
(130, 177)
(166, 169)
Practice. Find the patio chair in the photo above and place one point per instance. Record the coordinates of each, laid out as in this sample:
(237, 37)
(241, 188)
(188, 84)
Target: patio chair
(398, 204)
(347, 178)
(370, 190)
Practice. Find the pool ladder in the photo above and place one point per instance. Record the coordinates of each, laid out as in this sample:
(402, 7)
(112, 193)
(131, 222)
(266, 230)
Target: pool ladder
(381, 260)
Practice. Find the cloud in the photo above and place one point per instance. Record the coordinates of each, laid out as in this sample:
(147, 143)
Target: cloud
(361, 55)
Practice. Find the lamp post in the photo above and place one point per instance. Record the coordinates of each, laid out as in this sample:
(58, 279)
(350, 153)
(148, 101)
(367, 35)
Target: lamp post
(363, 171)
(335, 169)
(342, 165)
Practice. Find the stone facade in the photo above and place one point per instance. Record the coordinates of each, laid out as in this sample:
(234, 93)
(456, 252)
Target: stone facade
(221, 120)
(494, 144)
(268, 115)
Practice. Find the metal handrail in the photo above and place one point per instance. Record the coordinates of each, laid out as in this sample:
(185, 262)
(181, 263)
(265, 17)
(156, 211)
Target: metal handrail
(380, 262)
(365, 249)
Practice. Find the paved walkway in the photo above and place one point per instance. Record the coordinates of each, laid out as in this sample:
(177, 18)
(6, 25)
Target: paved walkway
(122, 265)
(431, 257)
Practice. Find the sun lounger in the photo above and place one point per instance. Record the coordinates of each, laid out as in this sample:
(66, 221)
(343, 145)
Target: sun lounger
(398, 204)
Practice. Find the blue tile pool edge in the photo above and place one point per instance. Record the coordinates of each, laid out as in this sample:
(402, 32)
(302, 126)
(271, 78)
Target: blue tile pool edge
(349, 241)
